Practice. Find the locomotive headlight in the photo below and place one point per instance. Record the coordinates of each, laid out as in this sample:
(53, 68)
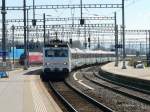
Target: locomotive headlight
(65, 63)
(47, 63)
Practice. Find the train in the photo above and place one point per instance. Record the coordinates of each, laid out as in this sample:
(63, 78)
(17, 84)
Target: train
(34, 58)
(59, 59)
(56, 60)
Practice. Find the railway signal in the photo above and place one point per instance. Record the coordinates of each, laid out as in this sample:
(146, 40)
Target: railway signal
(70, 41)
(89, 41)
(34, 22)
(82, 22)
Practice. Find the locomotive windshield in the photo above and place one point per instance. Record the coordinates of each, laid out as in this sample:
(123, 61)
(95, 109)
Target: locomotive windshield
(56, 53)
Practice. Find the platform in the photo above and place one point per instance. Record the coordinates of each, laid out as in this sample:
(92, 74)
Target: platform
(143, 74)
(25, 93)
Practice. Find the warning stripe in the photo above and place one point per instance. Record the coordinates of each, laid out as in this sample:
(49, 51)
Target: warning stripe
(37, 99)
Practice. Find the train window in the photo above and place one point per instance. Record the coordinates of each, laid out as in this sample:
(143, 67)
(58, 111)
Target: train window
(49, 53)
(61, 53)
(56, 53)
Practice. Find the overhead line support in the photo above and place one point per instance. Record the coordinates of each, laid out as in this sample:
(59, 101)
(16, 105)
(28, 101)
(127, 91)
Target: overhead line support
(62, 19)
(65, 6)
(25, 39)
(3, 12)
(123, 35)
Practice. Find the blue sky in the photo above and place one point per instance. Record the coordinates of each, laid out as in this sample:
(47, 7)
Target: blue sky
(138, 15)
(137, 12)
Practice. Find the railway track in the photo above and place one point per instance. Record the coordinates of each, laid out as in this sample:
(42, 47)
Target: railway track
(123, 85)
(141, 97)
(76, 101)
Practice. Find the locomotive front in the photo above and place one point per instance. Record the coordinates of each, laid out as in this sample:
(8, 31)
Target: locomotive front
(56, 58)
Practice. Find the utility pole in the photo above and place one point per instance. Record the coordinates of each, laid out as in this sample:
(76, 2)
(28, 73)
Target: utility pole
(44, 28)
(85, 44)
(81, 20)
(34, 20)
(116, 40)
(78, 32)
(140, 49)
(28, 38)
(81, 8)
(98, 43)
(146, 47)
(149, 50)
(25, 41)
(3, 12)
(89, 40)
(146, 43)
(123, 35)
(48, 37)
(13, 29)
